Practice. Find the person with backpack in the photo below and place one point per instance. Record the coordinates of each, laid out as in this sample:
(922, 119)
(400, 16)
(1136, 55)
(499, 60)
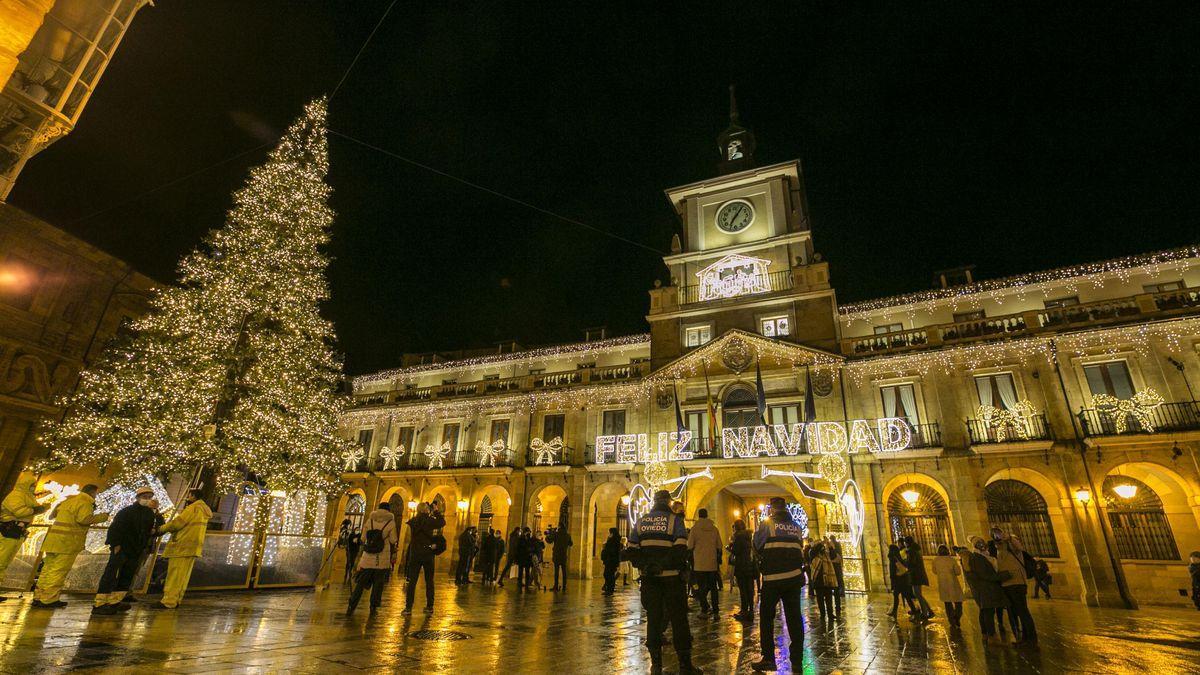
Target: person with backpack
(424, 544)
(378, 557)
(824, 577)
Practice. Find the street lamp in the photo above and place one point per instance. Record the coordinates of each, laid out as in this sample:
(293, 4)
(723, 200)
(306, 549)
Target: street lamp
(1126, 490)
(462, 505)
(911, 496)
(1084, 496)
(737, 513)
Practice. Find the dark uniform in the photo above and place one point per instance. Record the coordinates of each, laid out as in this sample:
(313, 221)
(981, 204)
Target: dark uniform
(780, 547)
(658, 547)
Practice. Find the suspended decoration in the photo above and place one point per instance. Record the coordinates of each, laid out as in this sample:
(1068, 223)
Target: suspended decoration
(546, 453)
(1001, 421)
(1141, 408)
(732, 276)
(438, 454)
(351, 457)
(489, 452)
(391, 457)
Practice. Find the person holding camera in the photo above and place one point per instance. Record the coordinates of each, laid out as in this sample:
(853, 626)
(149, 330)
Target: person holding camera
(658, 547)
(422, 548)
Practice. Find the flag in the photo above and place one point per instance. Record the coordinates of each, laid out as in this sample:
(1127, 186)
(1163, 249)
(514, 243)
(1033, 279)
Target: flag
(680, 426)
(713, 431)
(809, 414)
(762, 394)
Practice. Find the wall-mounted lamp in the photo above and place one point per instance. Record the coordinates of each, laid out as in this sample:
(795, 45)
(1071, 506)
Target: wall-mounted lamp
(1084, 496)
(737, 513)
(462, 505)
(625, 500)
(509, 500)
(1126, 490)
(911, 496)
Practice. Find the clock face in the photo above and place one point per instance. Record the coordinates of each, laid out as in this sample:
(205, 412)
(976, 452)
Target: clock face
(735, 216)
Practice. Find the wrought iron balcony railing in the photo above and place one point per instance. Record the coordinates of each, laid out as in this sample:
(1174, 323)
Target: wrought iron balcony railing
(1032, 428)
(1165, 417)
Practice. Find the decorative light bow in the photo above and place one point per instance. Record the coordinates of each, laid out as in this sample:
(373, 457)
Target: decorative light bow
(352, 457)
(391, 457)
(437, 454)
(489, 453)
(1002, 421)
(1140, 407)
(545, 453)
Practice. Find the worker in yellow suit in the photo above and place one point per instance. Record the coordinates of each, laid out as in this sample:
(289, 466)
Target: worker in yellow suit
(187, 530)
(16, 513)
(72, 518)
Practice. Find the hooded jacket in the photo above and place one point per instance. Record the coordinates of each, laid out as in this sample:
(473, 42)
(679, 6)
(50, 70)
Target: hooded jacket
(20, 504)
(704, 541)
(385, 522)
(421, 528)
(72, 519)
(189, 526)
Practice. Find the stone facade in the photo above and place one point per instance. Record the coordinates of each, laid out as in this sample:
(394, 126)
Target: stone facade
(1057, 405)
(61, 301)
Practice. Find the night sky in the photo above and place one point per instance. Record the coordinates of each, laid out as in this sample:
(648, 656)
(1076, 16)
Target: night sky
(1009, 136)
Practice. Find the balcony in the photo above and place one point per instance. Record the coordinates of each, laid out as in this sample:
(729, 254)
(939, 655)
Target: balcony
(1105, 312)
(522, 383)
(776, 281)
(1033, 429)
(1163, 418)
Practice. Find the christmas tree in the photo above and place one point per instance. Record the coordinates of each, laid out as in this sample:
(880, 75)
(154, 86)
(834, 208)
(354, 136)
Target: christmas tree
(232, 370)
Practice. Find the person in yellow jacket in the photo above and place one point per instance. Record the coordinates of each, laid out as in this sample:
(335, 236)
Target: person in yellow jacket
(16, 513)
(72, 518)
(188, 528)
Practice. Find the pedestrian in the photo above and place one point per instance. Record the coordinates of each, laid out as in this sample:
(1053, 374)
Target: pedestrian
(1010, 563)
(16, 514)
(377, 559)
(947, 571)
(128, 536)
(918, 576)
(1194, 570)
(984, 581)
(834, 549)
(353, 545)
(777, 542)
(537, 557)
(509, 558)
(704, 541)
(658, 549)
(497, 555)
(561, 551)
(901, 584)
(524, 558)
(487, 552)
(189, 528)
(745, 569)
(824, 577)
(466, 550)
(625, 569)
(422, 548)
(63, 542)
(1042, 578)
(610, 557)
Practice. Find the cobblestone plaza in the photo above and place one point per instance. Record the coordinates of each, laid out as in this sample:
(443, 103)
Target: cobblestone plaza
(489, 630)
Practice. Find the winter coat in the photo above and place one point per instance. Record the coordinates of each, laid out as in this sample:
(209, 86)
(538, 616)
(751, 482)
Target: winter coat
(421, 528)
(131, 529)
(985, 582)
(1194, 570)
(189, 526)
(385, 522)
(704, 541)
(741, 550)
(466, 545)
(610, 555)
(824, 575)
(537, 551)
(20, 504)
(917, 575)
(901, 582)
(522, 550)
(562, 542)
(1010, 558)
(71, 521)
(947, 571)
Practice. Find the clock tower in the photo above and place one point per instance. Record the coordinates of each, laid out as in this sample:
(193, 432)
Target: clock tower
(744, 259)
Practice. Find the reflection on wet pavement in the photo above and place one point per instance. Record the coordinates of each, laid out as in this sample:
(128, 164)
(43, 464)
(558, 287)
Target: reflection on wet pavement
(478, 629)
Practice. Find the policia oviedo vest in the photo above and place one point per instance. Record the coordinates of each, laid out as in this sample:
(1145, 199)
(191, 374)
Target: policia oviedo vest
(782, 557)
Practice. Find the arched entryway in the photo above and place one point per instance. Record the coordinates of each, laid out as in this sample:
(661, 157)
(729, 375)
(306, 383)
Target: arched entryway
(548, 508)
(608, 508)
(918, 511)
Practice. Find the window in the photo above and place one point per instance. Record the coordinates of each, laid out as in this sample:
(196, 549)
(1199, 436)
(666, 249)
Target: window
(1164, 287)
(613, 422)
(1138, 521)
(1017, 508)
(784, 414)
(774, 326)
(356, 509)
(740, 408)
(889, 328)
(697, 423)
(927, 520)
(405, 437)
(451, 381)
(536, 371)
(1110, 378)
(491, 377)
(1062, 302)
(975, 315)
(499, 431)
(450, 435)
(900, 400)
(694, 336)
(585, 366)
(364, 438)
(552, 427)
(996, 390)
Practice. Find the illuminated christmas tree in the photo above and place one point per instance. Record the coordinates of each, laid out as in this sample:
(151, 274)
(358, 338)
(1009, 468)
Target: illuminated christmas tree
(232, 370)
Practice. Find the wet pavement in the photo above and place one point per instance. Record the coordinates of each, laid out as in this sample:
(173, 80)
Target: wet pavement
(485, 630)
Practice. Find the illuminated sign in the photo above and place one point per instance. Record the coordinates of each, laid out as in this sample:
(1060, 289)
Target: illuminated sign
(732, 276)
(635, 448)
(886, 434)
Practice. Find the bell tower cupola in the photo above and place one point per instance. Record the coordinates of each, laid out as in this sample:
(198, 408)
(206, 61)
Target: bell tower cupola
(736, 143)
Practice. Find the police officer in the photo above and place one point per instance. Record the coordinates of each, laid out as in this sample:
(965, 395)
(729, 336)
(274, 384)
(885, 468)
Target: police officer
(658, 547)
(781, 560)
